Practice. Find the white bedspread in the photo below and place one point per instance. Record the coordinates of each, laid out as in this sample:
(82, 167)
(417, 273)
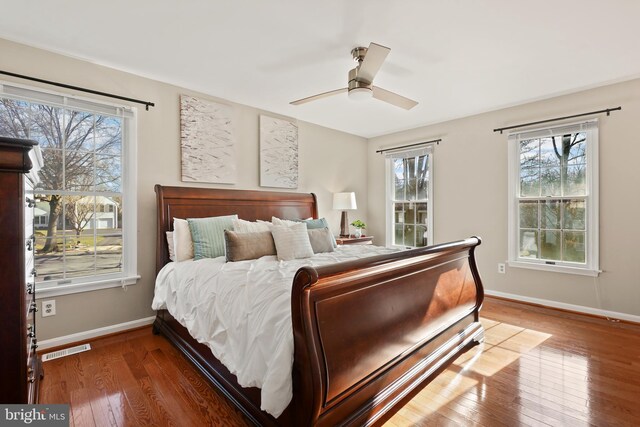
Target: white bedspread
(242, 311)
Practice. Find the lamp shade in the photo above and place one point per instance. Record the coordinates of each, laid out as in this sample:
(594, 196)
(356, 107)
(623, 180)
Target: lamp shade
(344, 201)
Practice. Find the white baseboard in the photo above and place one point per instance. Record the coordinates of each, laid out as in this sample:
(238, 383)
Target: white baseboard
(93, 333)
(564, 306)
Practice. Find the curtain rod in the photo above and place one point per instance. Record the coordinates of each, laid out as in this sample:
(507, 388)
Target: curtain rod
(146, 104)
(437, 141)
(608, 111)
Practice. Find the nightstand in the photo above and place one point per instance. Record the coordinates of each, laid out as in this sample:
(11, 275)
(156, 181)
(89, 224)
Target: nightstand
(351, 240)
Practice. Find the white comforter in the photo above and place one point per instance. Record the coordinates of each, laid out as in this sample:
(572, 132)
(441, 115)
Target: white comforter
(242, 311)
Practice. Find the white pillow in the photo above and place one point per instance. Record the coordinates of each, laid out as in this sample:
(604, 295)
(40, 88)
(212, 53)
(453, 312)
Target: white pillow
(182, 243)
(242, 226)
(292, 242)
(172, 253)
(284, 222)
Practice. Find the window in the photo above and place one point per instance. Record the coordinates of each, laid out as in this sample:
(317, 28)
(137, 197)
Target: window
(410, 197)
(88, 150)
(553, 192)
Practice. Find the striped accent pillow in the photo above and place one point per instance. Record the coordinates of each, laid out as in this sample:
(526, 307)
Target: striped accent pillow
(242, 226)
(208, 235)
(292, 242)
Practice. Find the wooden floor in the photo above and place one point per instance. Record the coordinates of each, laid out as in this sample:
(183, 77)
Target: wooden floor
(537, 367)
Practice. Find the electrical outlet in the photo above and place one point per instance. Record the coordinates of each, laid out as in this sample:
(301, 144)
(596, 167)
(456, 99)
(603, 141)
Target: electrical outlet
(501, 268)
(49, 308)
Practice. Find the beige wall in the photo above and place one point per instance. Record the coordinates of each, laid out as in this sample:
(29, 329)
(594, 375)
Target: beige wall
(325, 158)
(470, 168)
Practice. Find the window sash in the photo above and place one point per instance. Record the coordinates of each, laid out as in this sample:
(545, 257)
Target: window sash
(128, 153)
(392, 200)
(590, 198)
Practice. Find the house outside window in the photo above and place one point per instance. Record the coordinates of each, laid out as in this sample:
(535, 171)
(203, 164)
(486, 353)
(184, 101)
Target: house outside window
(553, 199)
(409, 197)
(84, 218)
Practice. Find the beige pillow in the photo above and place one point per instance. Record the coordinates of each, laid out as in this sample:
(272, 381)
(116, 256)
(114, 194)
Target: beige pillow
(284, 222)
(292, 242)
(244, 246)
(242, 226)
(182, 243)
(172, 253)
(321, 240)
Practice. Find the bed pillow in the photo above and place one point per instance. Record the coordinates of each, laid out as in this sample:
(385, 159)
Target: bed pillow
(208, 235)
(313, 224)
(283, 222)
(244, 246)
(321, 240)
(182, 243)
(172, 253)
(292, 242)
(242, 226)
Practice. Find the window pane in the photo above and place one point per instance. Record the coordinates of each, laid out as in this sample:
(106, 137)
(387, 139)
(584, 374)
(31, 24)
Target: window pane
(529, 243)
(530, 182)
(398, 235)
(109, 217)
(51, 177)
(550, 210)
(78, 134)
(79, 171)
(421, 236)
(108, 135)
(79, 213)
(574, 250)
(549, 154)
(79, 254)
(49, 257)
(398, 173)
(109, 253)
(529, 153)
(14, 121)
(398, 214)
(409, 213)
(550, 245)
(574, 214)
(528, 214)
(421, 213)
(575, 181)
(409, 235)
(47, 126)
(108, 173)
(411, 193)
(423, 177)
(578, 150)
(550, 181)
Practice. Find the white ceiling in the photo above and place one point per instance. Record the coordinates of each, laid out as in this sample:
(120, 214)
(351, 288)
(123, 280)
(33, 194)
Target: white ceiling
(456, 57)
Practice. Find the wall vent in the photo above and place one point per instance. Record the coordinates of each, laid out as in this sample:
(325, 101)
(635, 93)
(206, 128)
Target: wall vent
(66, 352)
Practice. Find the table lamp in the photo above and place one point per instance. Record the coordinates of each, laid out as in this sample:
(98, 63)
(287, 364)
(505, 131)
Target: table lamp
(344, 202)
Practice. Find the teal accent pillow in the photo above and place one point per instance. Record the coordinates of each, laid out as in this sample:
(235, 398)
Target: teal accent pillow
(313, 224)
(208, 235)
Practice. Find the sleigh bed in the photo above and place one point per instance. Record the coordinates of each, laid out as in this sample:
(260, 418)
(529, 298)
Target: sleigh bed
(366, 333)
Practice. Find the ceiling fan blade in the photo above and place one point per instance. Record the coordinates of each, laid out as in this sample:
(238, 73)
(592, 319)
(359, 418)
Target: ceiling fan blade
(318, 96)
(393, 98)
(376, 54)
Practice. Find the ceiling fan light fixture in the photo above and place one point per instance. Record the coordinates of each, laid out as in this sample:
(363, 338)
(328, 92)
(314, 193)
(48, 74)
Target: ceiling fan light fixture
(360, 93)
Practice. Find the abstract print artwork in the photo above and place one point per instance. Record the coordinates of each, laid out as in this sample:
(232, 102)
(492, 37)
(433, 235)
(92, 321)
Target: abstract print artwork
(278, 153)
(206, 137)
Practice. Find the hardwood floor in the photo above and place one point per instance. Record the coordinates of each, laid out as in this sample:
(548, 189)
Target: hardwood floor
(536, 367)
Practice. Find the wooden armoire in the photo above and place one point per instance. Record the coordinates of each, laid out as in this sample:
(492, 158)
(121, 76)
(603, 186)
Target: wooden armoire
(20, 366)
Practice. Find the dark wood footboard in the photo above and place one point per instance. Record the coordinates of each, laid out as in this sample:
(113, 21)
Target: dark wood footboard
(368, 332)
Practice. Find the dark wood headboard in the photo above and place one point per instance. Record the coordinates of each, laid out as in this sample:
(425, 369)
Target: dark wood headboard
(189, 202)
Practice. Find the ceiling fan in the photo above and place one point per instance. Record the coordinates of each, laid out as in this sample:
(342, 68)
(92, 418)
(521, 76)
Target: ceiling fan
(360, 84)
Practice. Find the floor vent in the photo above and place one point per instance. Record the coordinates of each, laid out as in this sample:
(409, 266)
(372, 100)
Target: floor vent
(66, 352)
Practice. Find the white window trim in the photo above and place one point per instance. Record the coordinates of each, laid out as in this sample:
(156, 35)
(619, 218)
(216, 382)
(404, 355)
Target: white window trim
(130, 275)
(591, 268)
(389, 189)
